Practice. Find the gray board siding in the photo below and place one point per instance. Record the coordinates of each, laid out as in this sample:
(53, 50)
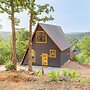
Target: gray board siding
(64, 57)
(44, 48)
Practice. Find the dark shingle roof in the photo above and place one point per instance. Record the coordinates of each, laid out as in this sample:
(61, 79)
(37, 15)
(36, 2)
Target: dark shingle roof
(56, 34)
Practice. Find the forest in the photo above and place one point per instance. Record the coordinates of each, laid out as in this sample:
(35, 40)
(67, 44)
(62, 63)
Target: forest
(80, 42)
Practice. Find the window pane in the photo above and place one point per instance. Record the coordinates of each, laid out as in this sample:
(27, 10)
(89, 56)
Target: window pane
(41, 36)
(53, 53)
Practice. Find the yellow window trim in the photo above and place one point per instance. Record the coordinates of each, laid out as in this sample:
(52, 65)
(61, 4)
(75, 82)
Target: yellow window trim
(34, 56)
(51, 53)
(45, 37)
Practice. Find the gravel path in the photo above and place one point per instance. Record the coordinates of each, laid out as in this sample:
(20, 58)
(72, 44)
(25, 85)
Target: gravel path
(46, 69)
(2, 68)
(36, 68)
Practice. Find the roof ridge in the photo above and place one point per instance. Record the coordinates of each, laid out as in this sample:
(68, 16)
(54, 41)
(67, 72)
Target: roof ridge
(50, 24)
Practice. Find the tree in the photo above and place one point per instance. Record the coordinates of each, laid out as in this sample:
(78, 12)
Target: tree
(5, 51)
(10, 7)
(84, 47)
(21, 43)
(34, 12)
(13, 35)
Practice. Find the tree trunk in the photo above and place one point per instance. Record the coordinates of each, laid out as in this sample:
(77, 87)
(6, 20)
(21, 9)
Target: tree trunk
(13, 36)
(30, 45)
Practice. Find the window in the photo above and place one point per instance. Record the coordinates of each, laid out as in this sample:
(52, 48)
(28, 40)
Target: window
(41, 37)
(52, 53)
(33, 56)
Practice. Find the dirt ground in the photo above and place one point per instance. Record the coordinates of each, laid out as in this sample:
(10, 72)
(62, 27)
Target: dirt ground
(82, 69)
(23, 80)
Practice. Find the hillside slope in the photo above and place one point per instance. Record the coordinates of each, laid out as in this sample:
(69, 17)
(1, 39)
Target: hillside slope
(73, 38)
(5, 35)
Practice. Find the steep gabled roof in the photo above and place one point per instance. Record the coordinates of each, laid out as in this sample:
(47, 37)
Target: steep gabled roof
(56, 34)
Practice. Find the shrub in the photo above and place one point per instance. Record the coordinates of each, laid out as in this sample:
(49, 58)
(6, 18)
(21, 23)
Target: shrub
(39, 73)
(72, 74)
(69, 74)
(21, 43)
(5, 52)
(82, 58)
(64, 72)
(57, 73)
(84, 51)
(53, 75)
(9, 65)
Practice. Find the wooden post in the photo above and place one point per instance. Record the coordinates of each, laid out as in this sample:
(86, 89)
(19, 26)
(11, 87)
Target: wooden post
(42, 70)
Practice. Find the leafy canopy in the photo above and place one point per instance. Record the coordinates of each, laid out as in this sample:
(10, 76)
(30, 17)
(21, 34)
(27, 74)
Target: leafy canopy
(37, 10)
(21, 43)
(5, 7)
(84, 46)
(5, 51)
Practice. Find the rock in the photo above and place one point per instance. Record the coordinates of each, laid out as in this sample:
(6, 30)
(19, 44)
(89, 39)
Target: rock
(31, 73)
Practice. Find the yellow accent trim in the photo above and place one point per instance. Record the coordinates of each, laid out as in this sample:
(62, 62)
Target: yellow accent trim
(44, 59)
(37, 37)
(51, 54)
(34, 56)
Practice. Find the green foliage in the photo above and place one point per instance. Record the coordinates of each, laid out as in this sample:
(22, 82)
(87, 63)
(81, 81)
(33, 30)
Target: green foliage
(72, 74)
(21, 43)
(9, 65)
(37, 10)
(84, 47)
(5, 51)
(39, 73)
(73, 38)
(53, 75)
(6, 47)
(64, 72)
(5, 7)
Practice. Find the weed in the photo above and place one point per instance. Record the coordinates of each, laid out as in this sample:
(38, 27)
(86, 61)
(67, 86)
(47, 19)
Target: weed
(9, 65)
(53, 75)
(39, 73)
(72, 74)
(64, 72)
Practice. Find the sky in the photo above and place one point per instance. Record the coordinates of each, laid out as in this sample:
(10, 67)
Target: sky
(71, 15)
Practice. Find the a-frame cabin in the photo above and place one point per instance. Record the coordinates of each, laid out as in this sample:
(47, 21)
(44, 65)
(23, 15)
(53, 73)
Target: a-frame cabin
(50, 47)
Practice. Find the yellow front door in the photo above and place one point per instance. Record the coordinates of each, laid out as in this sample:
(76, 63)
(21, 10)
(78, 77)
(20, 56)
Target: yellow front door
(44, 59)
